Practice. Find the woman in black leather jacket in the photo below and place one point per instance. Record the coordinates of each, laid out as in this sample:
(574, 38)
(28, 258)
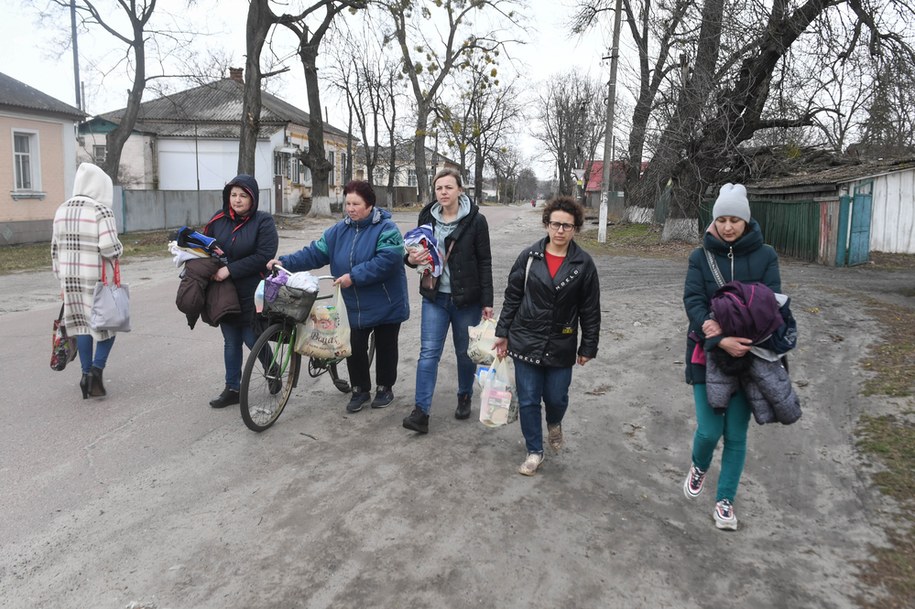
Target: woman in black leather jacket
(552, 292)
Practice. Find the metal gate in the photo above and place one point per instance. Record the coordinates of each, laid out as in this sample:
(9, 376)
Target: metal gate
(853, 244)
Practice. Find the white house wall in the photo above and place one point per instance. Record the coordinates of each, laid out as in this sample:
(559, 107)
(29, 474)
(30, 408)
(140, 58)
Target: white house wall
(181, 161)
(893, 213)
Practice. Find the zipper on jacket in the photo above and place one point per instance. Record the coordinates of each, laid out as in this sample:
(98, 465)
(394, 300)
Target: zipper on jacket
(731, 258)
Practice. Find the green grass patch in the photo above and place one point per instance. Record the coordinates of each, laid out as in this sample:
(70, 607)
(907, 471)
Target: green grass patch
(643, 240)
(890, 442)
(37, 256)
(893, 359)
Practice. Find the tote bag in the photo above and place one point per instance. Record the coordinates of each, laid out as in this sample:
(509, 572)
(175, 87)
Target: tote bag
(110, 303)
(326, 332)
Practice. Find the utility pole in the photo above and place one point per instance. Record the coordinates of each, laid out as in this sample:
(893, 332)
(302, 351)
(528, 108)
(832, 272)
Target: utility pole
(79, 98)
(608, 135)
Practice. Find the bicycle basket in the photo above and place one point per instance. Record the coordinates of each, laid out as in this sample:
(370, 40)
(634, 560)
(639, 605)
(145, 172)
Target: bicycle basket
(292, 302)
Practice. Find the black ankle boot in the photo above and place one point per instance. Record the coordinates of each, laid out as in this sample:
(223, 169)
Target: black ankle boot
(85, 384)
(96, 386)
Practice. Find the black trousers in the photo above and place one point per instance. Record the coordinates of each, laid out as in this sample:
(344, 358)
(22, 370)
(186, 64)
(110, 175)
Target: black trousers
(386, 356)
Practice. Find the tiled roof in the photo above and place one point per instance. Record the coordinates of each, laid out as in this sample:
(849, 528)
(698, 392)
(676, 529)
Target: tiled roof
(18, 95)
(216, 109)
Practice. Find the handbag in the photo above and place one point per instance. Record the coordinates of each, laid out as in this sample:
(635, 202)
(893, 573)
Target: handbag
(63, 347)
(326, 332)
(110, 303)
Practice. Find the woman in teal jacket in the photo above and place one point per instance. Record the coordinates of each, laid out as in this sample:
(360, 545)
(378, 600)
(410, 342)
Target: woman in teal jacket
(365, 251)
(736, 243)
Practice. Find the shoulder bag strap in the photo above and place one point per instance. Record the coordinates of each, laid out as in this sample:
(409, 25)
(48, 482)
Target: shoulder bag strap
(713, 265)
(527, 270)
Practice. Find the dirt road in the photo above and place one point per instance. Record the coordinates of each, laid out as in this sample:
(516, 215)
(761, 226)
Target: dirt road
(150, 497)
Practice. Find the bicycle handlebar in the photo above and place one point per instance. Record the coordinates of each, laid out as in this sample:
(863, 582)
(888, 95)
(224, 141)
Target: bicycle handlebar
(319, 277)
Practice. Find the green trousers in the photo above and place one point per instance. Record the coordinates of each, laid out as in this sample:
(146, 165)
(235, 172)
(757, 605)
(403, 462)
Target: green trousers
(732, 425)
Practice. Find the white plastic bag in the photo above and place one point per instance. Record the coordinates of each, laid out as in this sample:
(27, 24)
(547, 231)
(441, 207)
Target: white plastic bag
(326, 332)
(499, 399)
(482, 336)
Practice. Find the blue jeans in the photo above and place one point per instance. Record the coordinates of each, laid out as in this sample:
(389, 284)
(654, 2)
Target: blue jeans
(733, 425)
(84, 343)
(534, 383)
(437, 316)
(233, 337)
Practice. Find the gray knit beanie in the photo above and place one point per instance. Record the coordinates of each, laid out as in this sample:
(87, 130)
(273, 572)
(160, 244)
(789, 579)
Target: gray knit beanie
(732, 201)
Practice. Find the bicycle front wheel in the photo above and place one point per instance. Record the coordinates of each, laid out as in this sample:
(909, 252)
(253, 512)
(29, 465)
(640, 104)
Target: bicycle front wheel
(269, 377)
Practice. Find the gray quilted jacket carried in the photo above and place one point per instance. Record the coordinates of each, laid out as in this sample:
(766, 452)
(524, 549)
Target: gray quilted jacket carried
(767, 387)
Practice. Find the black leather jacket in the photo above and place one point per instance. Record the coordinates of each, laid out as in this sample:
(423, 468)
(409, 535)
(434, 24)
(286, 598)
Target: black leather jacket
(470, 261)
(542, 318)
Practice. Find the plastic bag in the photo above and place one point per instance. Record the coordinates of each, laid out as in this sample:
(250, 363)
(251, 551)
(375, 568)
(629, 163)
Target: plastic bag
(482, 337)
(499, 400)
(326, 332)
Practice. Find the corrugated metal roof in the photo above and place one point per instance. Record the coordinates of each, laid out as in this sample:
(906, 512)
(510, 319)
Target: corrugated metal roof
(18, 95)
(836, 175)
(216, 108)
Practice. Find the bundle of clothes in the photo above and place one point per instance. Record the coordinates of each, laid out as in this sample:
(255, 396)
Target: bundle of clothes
(754, 311)
(199, 257)
(423, 237)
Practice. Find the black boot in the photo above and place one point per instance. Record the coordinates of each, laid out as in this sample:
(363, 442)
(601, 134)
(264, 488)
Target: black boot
(463, 408)
(96, 386)
(417, 421)
(85, 384)
(228, 397)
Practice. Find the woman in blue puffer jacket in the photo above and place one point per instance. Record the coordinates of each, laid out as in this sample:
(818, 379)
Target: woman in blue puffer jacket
(365, 251)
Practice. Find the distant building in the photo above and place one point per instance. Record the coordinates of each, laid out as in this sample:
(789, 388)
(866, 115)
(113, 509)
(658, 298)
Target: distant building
(189, 141)
(37, 160)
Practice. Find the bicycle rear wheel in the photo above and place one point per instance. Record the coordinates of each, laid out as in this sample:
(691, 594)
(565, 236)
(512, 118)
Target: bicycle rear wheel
(270, 374)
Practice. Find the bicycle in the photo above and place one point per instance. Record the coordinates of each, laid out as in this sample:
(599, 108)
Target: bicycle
(272, 369)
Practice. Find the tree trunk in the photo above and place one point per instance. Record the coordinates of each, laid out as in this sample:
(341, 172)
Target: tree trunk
(316, 159)
(676, 144)
(260, 19)
(478, 162)
(117, 137)
(423, 191)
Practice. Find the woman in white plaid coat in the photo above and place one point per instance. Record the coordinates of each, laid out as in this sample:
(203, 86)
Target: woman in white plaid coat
(85, 236)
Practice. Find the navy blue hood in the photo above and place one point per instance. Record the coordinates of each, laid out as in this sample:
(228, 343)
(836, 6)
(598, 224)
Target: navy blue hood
(248, 183)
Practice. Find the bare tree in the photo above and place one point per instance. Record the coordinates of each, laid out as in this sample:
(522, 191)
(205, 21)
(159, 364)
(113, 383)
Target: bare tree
(482, 117)
(889, 128)
(427, 62)
(138, 14)
(309, 40)
(367, 80)
(657, 30)
(571, 116)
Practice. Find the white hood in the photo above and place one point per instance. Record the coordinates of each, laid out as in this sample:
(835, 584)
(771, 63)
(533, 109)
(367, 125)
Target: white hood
(93, 183)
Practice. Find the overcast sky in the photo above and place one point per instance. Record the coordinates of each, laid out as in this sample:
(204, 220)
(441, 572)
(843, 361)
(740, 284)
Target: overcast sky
(29, 54)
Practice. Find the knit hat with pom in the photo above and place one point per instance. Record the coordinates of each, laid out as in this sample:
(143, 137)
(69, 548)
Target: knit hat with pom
(732, 201)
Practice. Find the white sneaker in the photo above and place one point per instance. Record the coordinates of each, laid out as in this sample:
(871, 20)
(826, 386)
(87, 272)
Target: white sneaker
(530, 465)
(725, 518)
